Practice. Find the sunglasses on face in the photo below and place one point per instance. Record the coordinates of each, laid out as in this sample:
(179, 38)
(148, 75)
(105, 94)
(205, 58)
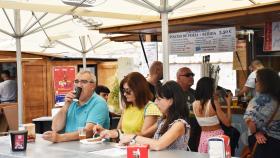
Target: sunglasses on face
(190, 74)
(82, 81)
(126, 90)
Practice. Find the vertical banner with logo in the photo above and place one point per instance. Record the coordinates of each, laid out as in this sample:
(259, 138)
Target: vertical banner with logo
(272, 36)
(63, 77)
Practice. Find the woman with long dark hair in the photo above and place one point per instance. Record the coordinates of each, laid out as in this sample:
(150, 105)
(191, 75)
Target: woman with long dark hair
(208, 112)
(262, 115)
(172, 130)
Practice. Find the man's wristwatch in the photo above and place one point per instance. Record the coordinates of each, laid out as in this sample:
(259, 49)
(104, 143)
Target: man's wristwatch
(133, 140)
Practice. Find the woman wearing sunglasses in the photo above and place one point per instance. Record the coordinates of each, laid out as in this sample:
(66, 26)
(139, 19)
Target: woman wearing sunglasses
(139, 114)
(172, 130)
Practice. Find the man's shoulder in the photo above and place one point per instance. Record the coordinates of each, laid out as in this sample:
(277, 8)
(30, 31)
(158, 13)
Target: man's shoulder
(190, 92)
(253, 74)
(98, 101)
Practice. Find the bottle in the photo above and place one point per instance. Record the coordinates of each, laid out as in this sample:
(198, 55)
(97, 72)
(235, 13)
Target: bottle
(236, 91)
(244, 101)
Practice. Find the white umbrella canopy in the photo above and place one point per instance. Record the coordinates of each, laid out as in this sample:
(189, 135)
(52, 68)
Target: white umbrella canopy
(51, 26)
(55, 39)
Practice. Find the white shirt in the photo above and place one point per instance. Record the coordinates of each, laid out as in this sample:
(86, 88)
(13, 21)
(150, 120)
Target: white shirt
(8, 90)
(251, 82)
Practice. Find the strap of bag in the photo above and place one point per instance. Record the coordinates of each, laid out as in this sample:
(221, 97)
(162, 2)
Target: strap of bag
(267, 124)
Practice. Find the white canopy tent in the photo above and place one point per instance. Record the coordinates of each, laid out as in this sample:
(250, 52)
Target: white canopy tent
(54, 27)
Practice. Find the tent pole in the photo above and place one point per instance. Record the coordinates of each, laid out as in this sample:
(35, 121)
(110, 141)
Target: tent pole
(165, 39)
(83, 44)
(19, 66)
(84, 60)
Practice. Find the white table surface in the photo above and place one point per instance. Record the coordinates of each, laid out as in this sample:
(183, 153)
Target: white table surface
(74, 149)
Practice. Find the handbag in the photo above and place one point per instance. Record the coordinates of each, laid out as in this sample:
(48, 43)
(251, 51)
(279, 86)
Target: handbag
(233, 134)
(230, 131)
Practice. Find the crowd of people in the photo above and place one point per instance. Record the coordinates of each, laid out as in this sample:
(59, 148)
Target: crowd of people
(170, 115)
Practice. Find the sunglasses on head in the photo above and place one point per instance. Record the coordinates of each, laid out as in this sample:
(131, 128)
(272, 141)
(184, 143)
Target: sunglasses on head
(190, 74)
(126, 90)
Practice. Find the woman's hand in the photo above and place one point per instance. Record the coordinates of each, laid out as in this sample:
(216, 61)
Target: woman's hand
(97, 129)
(125, 139)
(109, 134)
(228, 99)
(261, 139)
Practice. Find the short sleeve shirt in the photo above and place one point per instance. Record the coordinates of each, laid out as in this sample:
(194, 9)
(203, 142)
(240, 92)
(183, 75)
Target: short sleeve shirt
(250, 82)
(95, 111)
(133, 117)
(190, 98)
(181, 143)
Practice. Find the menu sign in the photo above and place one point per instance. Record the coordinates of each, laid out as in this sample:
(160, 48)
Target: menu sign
(272, 36)
(203, 41)
(151, 51)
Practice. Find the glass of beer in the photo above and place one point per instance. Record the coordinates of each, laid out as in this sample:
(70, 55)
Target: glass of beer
(31, 135)
(234, 101)
(82, 133)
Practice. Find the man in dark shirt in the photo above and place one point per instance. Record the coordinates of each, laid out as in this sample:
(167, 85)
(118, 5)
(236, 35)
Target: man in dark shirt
(185, 80)
(155, 75)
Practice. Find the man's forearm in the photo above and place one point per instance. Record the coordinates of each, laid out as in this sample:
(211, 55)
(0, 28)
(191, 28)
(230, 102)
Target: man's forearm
(243, 90)
(68, 137)
(59, 119)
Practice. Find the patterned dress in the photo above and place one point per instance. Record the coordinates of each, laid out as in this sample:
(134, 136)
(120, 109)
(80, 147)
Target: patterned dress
(181, 143)
(260, 110)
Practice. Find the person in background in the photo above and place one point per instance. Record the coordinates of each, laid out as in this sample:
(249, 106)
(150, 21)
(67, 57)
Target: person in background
(139, 114)
(87, 112)
(250, 82)
(103, 91)
(259, 113)
(208, 112)
(8, 88)
(172, 129)
(155, 75)
(185, 78)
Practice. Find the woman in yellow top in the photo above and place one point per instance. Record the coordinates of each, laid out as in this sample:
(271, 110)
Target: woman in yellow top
(139, 113)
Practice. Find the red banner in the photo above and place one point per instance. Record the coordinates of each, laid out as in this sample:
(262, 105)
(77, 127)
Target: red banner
(63, 77)
(267, 37)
